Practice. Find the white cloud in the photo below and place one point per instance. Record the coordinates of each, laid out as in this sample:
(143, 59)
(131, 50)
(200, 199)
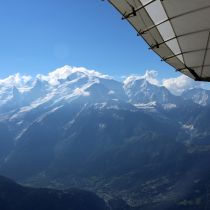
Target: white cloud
(63, 72)
(176, 85)
(25, 83)
(22, 83)
(179, 84)
(151, 76)
(15, 80)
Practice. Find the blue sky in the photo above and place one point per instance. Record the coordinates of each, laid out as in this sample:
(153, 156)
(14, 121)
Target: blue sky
(38, 36)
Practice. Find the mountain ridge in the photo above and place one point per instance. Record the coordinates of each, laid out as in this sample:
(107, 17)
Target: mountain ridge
(67, 83)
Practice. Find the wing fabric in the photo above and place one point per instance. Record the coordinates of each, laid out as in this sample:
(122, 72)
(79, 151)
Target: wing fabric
(178, 31)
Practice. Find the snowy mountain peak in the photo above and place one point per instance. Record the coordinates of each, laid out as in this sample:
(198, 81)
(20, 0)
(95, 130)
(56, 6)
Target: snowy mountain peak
(143, 89)
(149, 76)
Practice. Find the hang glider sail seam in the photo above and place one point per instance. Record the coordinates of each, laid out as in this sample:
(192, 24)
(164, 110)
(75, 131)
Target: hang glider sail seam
(206, 50)
(178, 31)
(179, 36)
(134, 11)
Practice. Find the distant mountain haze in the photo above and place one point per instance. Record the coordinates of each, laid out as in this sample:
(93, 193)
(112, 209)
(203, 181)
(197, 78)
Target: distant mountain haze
(16, 197)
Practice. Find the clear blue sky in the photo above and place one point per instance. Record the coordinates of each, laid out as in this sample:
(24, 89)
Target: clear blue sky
(37, 36)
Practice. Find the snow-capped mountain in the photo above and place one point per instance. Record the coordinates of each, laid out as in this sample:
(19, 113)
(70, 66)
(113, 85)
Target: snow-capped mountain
(78, 127)
(198, 96)
(60, 86)
(141, 91)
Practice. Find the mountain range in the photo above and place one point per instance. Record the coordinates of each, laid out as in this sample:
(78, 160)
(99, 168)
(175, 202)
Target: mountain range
(133, 143)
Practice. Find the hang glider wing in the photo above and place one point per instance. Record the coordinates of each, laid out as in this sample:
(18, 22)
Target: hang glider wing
(177, 30)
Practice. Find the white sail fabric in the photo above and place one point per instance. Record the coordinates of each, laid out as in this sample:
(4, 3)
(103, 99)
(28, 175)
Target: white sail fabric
(177, 30)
